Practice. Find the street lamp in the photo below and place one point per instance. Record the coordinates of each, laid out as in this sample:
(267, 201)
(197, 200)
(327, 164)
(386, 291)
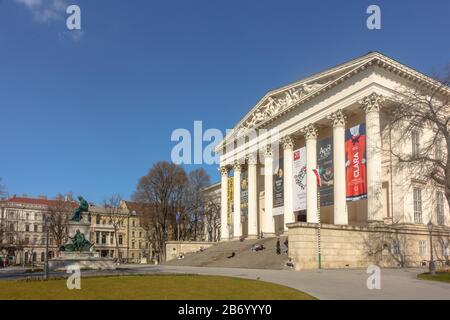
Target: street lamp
(432, 267)
(47, 227)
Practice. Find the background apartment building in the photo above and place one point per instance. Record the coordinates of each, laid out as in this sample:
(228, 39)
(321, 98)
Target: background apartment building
(115, 233)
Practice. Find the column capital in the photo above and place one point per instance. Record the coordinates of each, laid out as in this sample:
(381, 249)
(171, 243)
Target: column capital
(287, 142)
(337, 118)
(224, 170)
(267, 150)
(237, 166)
(311, 131)
(252, 159)
(372, 102)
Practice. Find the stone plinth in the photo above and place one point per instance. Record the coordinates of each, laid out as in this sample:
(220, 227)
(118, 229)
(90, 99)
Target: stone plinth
(85, 260)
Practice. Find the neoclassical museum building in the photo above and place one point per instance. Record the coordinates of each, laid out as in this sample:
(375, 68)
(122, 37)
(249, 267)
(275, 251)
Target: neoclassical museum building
(367, 208)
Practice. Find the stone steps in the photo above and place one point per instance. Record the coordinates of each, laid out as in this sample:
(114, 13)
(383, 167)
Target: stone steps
(217, 256)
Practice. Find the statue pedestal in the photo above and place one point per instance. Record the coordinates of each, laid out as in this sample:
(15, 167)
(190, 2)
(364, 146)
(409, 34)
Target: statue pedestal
(84, 259)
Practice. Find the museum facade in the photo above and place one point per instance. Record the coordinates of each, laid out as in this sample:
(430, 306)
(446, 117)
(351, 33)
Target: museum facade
(317, 153)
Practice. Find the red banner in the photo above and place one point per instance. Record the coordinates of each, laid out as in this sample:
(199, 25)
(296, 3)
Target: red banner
(355, 162)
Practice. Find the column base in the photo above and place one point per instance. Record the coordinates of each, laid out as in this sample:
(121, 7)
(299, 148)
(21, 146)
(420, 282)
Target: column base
(269, 234)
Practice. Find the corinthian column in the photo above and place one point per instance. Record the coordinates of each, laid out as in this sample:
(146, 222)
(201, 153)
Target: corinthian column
(340, 212)
(237, 232)
(311, 132)
(224, 234)
(371, 105)
(288, 155)
(252, 197)
(269, 225)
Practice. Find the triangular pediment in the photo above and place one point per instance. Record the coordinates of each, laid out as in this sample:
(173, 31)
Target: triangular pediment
(279, 101)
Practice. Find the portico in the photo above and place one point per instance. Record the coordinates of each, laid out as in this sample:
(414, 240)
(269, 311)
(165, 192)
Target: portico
(332, 121)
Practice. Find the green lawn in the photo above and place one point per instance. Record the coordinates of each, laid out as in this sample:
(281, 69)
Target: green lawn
(158, 287)
(440, 276)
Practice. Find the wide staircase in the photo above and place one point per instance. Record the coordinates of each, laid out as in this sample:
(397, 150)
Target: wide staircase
(219, 255)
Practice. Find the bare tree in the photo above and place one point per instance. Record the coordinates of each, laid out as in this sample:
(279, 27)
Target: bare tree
(2, 189)
(115, 216)
(162, 190)
(423, 114)
(212, 217)
(194, 202)
(58, 213)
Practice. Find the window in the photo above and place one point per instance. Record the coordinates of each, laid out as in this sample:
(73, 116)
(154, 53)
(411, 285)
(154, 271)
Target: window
(42, 256)
(27, 228)
(11, 227)
(133, 223)
(397, 248)
(140, 245)
(97, 237)
(35, 228)
(35, 240)
(11, 239)
(103, 238)
(417, 199)
(120, 239)
(140, 234)
(27, 240)
(415, 138)
(97, 219)
(133, 234)
(422, 247)
(132, 245)
(440, 208)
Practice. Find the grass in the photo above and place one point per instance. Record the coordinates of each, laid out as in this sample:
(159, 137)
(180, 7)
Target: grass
(439, 276)
(153, 287)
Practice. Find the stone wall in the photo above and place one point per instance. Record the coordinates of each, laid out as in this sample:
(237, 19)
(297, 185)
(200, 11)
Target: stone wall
(174, 248)
(356, 247)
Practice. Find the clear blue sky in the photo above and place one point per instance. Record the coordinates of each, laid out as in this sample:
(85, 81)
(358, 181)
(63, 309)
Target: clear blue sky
(91, 113)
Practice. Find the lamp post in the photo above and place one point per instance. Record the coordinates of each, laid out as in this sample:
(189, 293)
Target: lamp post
(432, 266)
(47, 227)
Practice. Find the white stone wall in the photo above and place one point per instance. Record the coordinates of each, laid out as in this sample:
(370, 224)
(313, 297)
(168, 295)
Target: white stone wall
(356, 247)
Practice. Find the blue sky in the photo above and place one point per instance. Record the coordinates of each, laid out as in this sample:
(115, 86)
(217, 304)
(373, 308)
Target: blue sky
(90, 112)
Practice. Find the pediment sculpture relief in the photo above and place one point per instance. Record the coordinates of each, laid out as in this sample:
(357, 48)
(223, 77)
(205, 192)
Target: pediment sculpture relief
(275, 104)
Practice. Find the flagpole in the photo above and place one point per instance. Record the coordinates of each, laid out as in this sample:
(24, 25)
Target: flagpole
(318, 228)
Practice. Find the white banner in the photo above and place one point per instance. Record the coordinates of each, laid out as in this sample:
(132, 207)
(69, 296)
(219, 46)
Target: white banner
(299, 172)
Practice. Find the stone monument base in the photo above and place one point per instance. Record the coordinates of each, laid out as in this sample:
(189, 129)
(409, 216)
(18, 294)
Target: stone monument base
(85, 260)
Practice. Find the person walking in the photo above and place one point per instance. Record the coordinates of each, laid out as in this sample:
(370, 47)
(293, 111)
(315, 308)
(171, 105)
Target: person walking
(278, 246)
(286, 246)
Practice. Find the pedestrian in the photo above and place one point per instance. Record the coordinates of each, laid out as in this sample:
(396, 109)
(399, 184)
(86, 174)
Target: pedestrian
(286, 245)
(278, 246)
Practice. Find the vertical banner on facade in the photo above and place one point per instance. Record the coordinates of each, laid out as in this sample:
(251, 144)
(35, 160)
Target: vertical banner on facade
(230, 199)
(355, 162)
(278, 188)
(299, 172)
(244, 194)
(325, 163)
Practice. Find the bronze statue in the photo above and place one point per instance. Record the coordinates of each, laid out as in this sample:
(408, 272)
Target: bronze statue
(79, 243)
(83, 207)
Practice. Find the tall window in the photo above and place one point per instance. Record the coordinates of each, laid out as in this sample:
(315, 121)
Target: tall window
(35, 228)
(415, 136)
(422, 247)
(103, 238)
(440, 208)
(120, 239)
(417, 198)
(11, 227)
(97, 219)
(97, 237)
(27, 227)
